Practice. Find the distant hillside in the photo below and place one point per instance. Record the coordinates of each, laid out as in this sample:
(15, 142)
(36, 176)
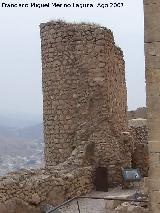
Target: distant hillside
(20, 141)
(19, 120)
(7, 132)
(138, 113)
(31, 132)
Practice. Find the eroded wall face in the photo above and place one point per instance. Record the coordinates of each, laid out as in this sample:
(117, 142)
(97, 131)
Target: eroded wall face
(84, 93)
(140, 156)
(152, 56)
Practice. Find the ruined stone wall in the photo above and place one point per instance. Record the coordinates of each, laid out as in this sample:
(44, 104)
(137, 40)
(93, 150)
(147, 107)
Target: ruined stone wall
(33, 190)
(42, 188)
(140, 155)
(84, 93)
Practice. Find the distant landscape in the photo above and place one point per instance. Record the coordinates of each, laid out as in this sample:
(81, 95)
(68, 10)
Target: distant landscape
(21, 142)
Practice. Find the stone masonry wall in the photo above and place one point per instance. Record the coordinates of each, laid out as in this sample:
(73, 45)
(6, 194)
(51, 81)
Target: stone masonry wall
(84, 94)
(34, 190)
(152, 70)
(140, 155)
(41, 188)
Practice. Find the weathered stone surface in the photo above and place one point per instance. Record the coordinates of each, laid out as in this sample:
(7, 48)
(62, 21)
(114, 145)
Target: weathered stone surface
(154, 146)
(56, 196)
(42, 186)
(25, 208)
(35, 199)
(152, 50)
(145, 187)
(151, 26)
(140, 155)
(18, 206)
(3, 208)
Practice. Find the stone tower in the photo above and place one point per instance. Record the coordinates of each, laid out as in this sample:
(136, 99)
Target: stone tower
(152, 61)
(84, 93)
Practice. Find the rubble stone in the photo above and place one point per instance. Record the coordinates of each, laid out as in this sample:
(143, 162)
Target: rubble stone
(112, 204)
(127, 207)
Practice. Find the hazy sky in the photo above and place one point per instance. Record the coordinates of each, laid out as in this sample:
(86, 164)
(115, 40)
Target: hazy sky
(20, 54)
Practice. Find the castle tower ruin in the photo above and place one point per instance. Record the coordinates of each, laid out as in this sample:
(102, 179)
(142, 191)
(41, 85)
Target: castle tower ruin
(84, 93)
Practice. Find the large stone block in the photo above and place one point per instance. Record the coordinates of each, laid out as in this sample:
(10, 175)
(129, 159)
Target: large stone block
(155, 196)
(154, 146)
(151, 2)
(151, 27)
(154, 172)
(155, 208)
(154, 184)
(154, 159)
